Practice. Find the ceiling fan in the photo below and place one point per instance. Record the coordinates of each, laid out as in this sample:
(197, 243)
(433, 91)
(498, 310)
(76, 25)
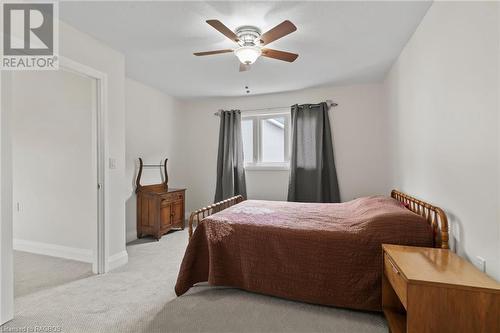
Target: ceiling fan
(251, 41)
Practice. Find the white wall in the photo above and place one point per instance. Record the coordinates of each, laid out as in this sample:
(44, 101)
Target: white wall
(55, 161)
(442, 99)
(84, 49)
(153, 133)
(358, 131)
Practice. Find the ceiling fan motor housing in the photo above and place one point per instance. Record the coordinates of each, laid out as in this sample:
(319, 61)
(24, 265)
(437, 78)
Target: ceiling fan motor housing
(248, 36)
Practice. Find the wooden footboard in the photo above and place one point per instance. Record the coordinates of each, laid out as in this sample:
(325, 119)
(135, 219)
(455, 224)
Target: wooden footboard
(435, 216)
(200, 214)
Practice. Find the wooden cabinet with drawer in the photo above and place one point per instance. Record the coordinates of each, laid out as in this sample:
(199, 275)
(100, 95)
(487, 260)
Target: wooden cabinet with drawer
(426, 290)
(159, 211)
(159, 208)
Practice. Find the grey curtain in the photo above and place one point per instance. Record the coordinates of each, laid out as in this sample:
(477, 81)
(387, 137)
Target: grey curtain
(313, 177)
(230, 168)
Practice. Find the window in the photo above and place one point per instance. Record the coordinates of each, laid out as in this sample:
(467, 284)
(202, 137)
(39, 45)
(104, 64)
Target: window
(266, 140)
(247, 134)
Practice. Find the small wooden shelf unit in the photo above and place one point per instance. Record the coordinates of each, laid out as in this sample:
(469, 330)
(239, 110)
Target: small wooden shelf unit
(428, 290)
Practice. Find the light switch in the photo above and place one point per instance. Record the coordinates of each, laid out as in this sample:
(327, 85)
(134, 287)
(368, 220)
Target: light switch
(112, 163)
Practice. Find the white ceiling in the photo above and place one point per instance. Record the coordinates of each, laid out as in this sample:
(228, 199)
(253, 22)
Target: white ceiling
(337, 42)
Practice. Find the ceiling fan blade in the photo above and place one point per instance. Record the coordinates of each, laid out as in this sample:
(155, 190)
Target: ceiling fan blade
(220, 27)
(244, 67)
(281, 30)
(212, 52)
(280, 55)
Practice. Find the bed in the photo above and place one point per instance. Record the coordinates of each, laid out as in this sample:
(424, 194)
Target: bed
(319, 253)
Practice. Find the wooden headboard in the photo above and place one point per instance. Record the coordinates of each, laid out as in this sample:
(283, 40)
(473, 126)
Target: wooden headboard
(432, 214)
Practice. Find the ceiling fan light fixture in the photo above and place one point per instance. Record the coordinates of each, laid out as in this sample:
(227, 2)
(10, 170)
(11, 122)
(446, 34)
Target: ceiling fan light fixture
(248, 54)
(250, 41)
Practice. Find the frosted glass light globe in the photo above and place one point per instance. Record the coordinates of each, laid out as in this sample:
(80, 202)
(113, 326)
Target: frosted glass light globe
(247, 54)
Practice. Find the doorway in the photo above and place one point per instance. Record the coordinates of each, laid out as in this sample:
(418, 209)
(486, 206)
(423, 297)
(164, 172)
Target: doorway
(58, 164)
(57, 124)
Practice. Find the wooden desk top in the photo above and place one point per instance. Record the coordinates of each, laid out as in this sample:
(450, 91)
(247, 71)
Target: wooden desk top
(438, 266)
(159, 189)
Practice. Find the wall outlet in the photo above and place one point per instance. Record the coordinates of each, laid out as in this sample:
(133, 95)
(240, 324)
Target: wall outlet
(112, 163)
(480, 263)
(19, 207)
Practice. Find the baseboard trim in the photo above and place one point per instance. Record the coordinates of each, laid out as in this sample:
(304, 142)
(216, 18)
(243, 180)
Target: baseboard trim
(118, 259)
(54, 250)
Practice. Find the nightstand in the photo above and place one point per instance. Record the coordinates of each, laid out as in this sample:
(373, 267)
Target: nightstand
(435, 290)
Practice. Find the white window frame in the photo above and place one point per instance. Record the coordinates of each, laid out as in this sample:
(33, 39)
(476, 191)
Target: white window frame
(257, 163)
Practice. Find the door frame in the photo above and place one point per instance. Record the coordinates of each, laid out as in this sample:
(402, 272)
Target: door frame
(101, 245)
(100, 262)
(6, 236)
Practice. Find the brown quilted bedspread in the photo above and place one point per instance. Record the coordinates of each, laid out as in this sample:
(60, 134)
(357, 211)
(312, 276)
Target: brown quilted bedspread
(318, 253)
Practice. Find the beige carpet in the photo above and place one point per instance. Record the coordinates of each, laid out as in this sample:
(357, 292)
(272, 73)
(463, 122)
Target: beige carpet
(208, 309)
(139, 297)
(33, 272)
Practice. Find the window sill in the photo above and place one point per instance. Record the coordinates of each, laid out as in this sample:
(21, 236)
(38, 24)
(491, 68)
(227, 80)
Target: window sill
(267, 167)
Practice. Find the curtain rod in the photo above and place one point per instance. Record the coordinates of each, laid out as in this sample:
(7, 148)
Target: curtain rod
(330, 104)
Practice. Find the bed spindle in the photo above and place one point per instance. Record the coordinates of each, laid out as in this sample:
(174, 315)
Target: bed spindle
(435, 216)
(198, 215)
